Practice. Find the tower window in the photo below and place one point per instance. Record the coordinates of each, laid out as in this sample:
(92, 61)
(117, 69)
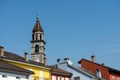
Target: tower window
(32, 36)
(40, 36)
(36, 48)
(36, 37)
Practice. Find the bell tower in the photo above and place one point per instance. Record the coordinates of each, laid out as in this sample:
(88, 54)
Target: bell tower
(38, 43)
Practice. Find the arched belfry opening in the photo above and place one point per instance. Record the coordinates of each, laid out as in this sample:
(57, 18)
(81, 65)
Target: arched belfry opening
(36, 48)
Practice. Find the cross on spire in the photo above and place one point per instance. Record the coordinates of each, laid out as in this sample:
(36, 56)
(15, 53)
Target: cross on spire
(37, 17)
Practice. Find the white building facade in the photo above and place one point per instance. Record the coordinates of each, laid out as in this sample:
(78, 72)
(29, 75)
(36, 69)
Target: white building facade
(11, 72)
(12, 76)
(78, 73)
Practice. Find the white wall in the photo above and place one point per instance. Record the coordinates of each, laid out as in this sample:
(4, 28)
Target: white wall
(76, 73)
(11, 76)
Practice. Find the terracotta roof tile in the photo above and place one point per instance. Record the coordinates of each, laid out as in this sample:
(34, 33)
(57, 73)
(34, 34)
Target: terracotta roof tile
(109, 68)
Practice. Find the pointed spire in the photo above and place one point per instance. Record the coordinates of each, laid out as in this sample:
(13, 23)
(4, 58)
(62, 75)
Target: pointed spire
(37, 26)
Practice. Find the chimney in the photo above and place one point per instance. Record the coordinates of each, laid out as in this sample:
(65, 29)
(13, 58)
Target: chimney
(68, 61)
(93, 58)
(45, 61)
(1, 51)
(102, 64)
(26, 56)
(58, 60)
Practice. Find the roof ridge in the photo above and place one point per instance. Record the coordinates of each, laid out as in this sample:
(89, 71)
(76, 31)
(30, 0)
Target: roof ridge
(110, 68)
(16, 57)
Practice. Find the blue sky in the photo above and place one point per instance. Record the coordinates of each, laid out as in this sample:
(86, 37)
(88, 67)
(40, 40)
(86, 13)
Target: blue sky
(74, 29)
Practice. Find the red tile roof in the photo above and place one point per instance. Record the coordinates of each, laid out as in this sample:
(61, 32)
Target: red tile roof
(109, 68)
(15, 57)
(55, 70)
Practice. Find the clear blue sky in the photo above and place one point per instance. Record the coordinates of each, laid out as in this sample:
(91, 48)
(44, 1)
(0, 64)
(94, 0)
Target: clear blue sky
(73, 28)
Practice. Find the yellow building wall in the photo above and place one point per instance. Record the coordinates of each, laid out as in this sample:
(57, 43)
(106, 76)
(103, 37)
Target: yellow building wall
(36, 70)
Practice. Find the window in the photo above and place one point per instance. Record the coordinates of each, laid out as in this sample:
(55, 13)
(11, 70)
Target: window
(36, 36)
(113, 78)
(32, 36)
(77, 78)
(60, 78)
(17, 77)
(53, 77)
(5, 76)
(40, 37)
(41, 75)
(66, 78)
(36, 48)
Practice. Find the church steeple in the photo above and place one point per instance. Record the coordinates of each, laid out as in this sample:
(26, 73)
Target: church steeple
(37, 26)
(38, 43)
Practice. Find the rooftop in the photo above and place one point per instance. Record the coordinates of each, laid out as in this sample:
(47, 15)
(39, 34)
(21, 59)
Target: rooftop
(58, 71)
(109, 68)
(4, 66)
(15, 57)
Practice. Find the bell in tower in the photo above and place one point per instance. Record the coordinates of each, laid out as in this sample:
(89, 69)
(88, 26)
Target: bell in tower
(38, 43)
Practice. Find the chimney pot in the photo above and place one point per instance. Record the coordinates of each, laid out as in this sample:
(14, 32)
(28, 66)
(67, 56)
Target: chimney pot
(26, 56)
(58, 60)
(68, 61)
(93, 58)
(1, 51)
